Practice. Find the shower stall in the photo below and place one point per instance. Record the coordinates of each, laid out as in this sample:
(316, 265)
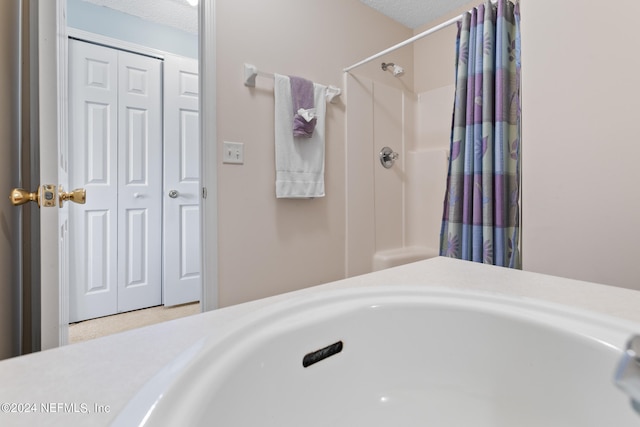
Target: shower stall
(394, 215)
(394, 197)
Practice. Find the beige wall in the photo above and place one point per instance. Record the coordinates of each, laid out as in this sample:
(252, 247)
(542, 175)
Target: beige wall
(581, 147)
(581, 208)
(269, 246)
(581, 214)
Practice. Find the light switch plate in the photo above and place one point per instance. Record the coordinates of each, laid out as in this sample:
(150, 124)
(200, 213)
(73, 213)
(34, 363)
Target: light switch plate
(233, 152)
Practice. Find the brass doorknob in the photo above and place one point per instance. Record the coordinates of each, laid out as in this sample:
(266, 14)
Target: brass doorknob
(20, 196)
(79, 195)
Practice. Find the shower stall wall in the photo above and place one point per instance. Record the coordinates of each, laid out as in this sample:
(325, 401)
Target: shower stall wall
(394, 214)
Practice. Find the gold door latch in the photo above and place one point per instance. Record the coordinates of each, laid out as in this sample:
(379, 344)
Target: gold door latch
(45, 196)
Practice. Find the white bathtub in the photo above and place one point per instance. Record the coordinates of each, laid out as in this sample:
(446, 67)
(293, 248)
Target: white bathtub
(410, 356)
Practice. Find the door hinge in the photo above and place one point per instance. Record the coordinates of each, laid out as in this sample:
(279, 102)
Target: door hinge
(204, 192)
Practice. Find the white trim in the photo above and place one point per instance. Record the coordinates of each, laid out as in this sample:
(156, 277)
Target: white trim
(208, 138)
(63, 169)
(48, 31)
(116, 43)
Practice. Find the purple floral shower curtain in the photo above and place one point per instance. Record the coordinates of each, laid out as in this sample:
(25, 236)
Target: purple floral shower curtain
(481, 209)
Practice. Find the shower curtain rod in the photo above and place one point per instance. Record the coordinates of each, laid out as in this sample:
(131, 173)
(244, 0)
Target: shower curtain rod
(404, 43)
(411, 40)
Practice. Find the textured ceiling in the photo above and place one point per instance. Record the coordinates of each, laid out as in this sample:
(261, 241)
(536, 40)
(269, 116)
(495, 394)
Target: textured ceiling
(415, 13)
(173, 13)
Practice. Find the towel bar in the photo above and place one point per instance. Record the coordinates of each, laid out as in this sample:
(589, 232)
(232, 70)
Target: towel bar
(251, 72)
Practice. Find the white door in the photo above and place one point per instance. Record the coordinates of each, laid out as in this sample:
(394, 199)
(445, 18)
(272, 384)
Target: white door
(182, 194)
(116, 146)
(93, 109)
(139, 182)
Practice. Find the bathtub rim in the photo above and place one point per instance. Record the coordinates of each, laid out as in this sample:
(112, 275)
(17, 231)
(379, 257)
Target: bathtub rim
(237, 334)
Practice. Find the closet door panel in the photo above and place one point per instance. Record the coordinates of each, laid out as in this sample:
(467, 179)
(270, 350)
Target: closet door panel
(140, 182)
(93, 133)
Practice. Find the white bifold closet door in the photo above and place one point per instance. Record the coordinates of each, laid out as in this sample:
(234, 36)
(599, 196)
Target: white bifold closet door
(115, 111)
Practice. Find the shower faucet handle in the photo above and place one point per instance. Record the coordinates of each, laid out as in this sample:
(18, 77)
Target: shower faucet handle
(388, 157)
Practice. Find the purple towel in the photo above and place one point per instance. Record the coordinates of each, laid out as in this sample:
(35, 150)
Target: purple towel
(302, 97)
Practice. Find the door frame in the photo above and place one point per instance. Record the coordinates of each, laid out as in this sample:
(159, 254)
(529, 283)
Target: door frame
(47, 105)
(50, 31)
(209, 152)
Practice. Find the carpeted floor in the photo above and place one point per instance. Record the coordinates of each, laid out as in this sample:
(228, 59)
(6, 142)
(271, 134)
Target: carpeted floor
(108, 325)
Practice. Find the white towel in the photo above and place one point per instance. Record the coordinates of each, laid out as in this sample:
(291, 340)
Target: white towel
(299, 160)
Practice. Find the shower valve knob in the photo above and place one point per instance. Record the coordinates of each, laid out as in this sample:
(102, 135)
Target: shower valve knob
(387, 157)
